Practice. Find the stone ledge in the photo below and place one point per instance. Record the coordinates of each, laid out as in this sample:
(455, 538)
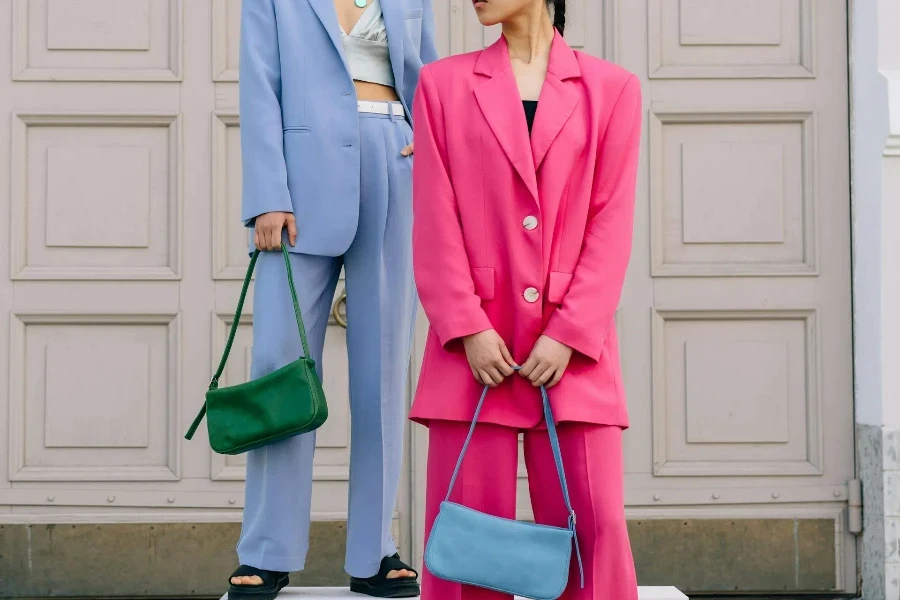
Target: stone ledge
(337, 593)
(758, 557)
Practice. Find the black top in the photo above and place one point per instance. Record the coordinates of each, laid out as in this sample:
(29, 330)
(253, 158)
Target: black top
(530, 109)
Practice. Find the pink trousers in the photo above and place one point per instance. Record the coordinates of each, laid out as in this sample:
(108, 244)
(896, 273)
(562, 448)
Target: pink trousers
(592, 456)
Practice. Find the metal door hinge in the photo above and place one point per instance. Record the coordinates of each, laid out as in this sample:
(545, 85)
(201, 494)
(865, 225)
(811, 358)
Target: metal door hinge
(854, 506)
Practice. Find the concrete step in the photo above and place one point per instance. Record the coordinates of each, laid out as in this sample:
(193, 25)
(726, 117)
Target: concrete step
(644, 593)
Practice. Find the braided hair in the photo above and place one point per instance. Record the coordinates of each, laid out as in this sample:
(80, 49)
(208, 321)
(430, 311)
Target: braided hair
(559, 14)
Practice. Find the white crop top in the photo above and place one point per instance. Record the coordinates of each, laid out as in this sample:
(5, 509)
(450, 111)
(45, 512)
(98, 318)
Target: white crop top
(366, 48)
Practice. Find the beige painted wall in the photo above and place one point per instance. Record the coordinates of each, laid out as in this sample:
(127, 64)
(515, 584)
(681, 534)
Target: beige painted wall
(124, 257)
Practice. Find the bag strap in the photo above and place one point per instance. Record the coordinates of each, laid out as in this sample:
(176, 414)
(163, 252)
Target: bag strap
(557, 457)
(214, 382)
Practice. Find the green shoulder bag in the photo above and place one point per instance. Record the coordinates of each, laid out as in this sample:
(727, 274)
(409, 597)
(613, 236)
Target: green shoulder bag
(282, 404)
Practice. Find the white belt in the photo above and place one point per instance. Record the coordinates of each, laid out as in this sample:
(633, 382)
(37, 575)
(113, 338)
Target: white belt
(381, 108)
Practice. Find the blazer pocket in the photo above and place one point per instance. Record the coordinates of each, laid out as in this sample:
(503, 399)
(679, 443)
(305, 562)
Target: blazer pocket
(413, 13)
(297, 129)
(484, 282)
(558, 287)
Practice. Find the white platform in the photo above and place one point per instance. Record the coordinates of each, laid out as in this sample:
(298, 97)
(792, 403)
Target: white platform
(644, 593)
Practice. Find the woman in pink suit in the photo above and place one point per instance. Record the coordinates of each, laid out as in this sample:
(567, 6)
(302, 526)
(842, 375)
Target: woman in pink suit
(523, 202)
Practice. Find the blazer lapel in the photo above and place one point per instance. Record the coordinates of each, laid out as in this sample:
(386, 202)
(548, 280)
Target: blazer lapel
(499, 100)
(324, 9)
(393, 23)
(557, 100)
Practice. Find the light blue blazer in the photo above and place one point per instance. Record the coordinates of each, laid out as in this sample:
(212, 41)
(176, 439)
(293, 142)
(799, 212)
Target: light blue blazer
(299, 123)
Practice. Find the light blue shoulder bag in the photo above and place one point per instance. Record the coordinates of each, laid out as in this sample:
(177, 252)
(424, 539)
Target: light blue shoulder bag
(523, 559)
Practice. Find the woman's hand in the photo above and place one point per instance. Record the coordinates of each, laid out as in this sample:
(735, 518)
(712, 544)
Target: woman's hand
(547, 363)
(408, 151)
(489, 358)
(268, 230)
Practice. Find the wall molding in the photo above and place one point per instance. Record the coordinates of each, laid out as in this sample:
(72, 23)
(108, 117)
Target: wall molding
(222, 120)
(23, 71)
(660, 116)
(659, 69)
(21, 122)
(19, 470)
(812, 465)
(221, 72)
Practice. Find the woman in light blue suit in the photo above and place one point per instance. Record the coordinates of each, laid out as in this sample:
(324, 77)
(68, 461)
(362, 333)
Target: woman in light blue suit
(325, 94)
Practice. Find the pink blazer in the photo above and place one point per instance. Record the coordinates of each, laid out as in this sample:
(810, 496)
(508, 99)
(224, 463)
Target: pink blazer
(526, 236)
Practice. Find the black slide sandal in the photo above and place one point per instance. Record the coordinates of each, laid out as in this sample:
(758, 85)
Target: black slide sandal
(380, 586)
(272, 583)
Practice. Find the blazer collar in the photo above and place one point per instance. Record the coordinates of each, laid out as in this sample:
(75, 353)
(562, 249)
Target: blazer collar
(563, 62)
(500, 102)
(393, 22)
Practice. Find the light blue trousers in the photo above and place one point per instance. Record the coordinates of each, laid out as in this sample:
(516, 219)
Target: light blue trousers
(381, 305)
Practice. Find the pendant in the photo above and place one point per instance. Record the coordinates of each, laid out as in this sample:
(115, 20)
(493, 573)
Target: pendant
(362, 3)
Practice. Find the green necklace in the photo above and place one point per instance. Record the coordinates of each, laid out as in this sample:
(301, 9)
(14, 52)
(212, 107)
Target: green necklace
(362, 3)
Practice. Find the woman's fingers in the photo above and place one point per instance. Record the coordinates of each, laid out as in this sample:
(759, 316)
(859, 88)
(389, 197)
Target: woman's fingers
(276, 239)
(528, 367)
(493, 362)
(488, 357)
(538, 373)
(545, 377)
(501, 365)
(273, 237)
(557, 376)
(292, 230)
(507, 357)
(269, 227)
(486, 378)
(495, 375)
(494, 372)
